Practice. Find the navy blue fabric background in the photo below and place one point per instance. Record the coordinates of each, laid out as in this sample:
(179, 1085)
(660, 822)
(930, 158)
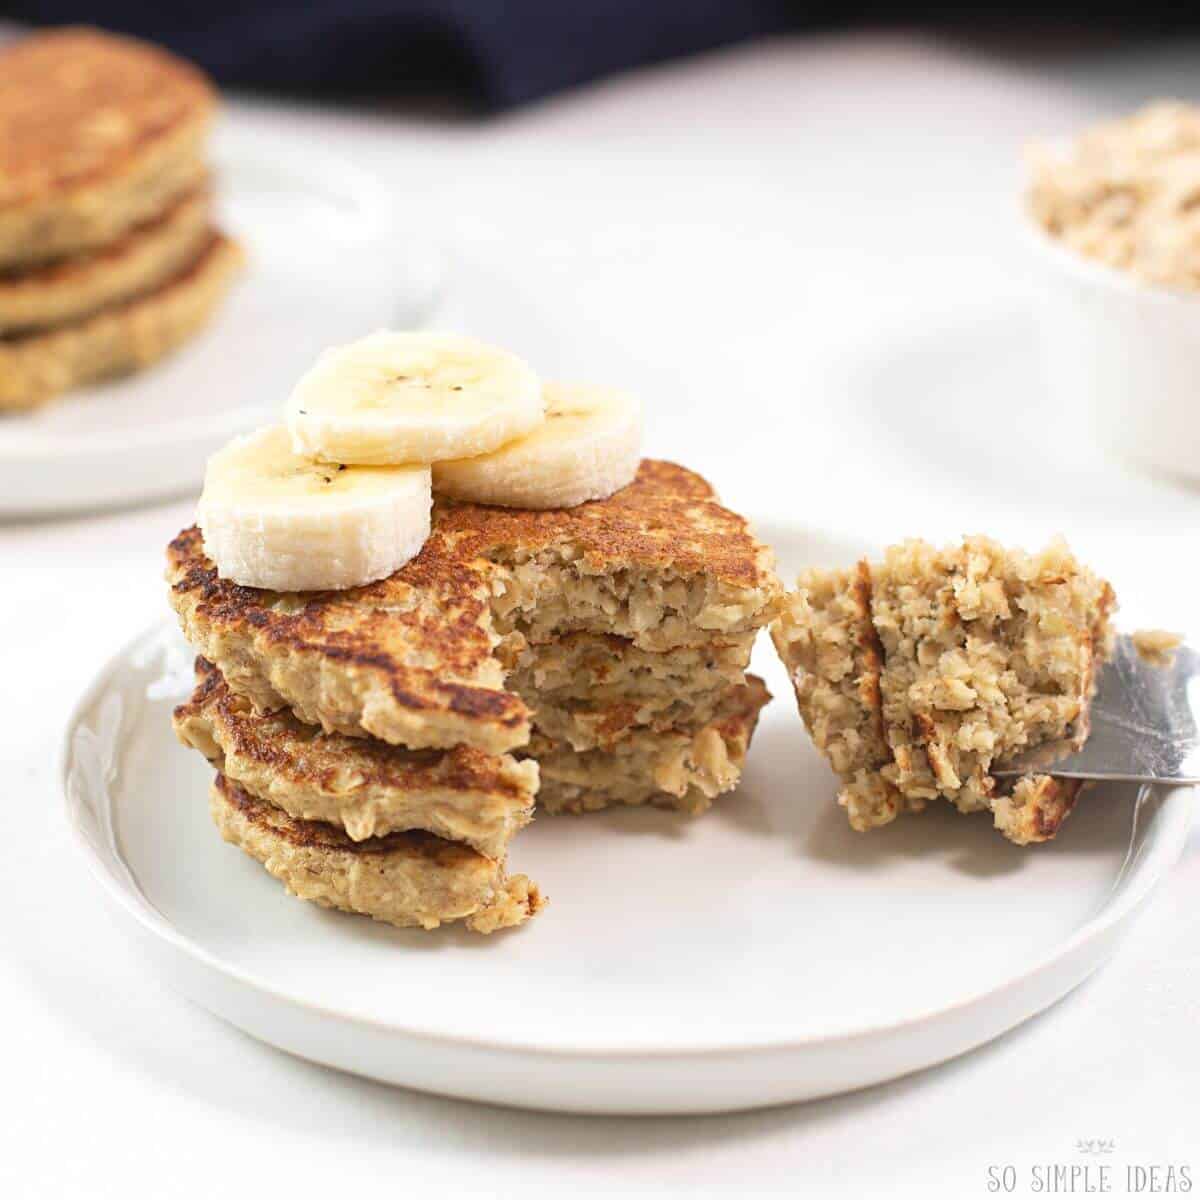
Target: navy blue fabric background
(489, 52)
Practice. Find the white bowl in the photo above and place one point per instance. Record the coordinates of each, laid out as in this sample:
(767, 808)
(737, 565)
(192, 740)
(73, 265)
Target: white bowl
(1122, 355)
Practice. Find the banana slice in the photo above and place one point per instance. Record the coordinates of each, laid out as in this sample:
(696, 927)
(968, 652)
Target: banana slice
(272, 519)
(412, 397)
(589, 447)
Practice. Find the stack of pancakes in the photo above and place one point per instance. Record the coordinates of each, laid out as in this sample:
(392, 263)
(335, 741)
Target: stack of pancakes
(378, 748)
(108, 255)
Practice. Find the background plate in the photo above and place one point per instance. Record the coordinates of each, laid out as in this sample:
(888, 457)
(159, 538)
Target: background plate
(762, 954)
(327, 261)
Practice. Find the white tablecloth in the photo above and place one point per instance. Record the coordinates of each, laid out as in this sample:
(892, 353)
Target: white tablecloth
(713, 234)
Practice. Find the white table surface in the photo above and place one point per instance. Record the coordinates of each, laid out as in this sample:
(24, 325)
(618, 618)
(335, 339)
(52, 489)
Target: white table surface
(717, 235)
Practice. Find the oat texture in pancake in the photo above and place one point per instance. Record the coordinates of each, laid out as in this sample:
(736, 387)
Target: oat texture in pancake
(917, 673)
(684, 769)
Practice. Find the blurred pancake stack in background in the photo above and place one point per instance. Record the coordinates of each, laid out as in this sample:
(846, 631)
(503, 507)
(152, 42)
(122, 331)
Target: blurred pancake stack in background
(109, 257)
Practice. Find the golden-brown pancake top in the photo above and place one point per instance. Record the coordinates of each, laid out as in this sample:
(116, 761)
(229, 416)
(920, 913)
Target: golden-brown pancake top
(669, 517)
(78, 106)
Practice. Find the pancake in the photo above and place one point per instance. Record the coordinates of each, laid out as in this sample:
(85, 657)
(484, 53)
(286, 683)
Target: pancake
(825, 638)
(36, 366)
(915, 674)
(987, 652)
(684, 769)
(138, 262)
(98, 134)
(591, 690)
(1033, 809)
(405, 879)
(366, 787)
(413, 659)
(660, 562)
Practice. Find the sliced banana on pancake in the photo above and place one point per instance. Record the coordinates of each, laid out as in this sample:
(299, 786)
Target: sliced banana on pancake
(589, 447)
(412, 398)
(272, 519)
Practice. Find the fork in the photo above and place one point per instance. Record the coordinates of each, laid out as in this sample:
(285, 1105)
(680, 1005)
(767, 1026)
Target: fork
(1143, 724)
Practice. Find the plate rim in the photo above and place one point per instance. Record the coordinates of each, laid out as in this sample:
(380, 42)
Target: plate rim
(1176, 808)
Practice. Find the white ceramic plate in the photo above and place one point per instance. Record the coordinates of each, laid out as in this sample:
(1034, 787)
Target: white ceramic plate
(761, 954)
(326, 261)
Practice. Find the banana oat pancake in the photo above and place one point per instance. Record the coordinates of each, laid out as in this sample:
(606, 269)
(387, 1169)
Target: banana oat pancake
(416, 659)
(915, 674)
(137, 262)
(684, 768)
(37, 365)
(592, 691)
(97, 134)
(405, 879)
(361, 785)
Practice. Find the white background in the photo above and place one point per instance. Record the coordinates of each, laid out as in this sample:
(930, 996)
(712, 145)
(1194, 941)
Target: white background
(755, 241)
